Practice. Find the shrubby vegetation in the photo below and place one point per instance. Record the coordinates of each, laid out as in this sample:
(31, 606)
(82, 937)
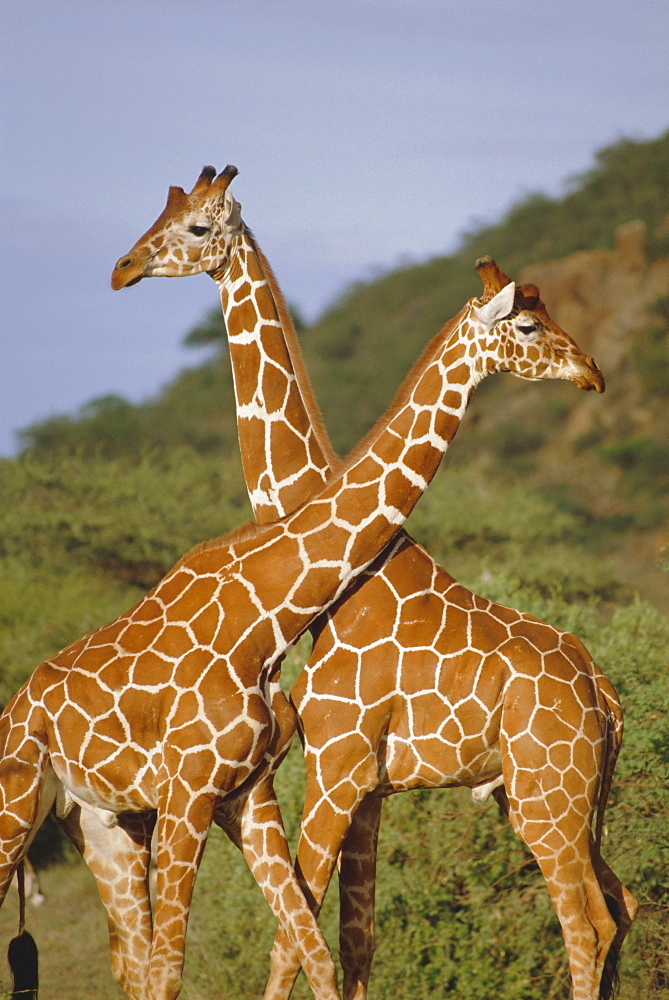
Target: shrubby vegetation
(83, 539)
(407, 306)
(101, 504)
(460, 903)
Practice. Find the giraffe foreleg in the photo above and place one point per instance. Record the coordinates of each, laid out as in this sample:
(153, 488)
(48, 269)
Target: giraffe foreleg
(119, 859)
(326, 819)
(297, 921)
(265, 848)
(266, 852)
(184, 821)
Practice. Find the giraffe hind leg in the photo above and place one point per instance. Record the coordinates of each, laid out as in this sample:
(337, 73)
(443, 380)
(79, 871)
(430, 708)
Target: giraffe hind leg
(588, 927)
(357, 884)
(119, 858)
(620, 903)
(27, 791)
(623, 908)
(551, 809)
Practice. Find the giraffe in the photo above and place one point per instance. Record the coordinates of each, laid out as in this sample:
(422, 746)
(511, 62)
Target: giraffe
(367, 672)
(251, 290)
(173, 713)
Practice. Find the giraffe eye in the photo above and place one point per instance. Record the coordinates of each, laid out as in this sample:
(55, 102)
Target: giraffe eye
(526, 328)
(198, 230)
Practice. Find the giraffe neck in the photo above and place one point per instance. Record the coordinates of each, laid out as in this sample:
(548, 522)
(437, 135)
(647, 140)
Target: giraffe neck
(286, 454)
(302, 564)
(403, 450)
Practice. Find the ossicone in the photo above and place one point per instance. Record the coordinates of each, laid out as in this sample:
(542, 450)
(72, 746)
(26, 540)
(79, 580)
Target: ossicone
(225, 177)
(207, 175)
(493, 279)
(208, 178)
(175, 197)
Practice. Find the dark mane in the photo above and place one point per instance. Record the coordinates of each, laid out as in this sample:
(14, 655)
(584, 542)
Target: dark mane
(404, 391)
(248, 530)
(297, 359)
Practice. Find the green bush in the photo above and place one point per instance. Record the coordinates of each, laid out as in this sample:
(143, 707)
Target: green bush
(651, 357)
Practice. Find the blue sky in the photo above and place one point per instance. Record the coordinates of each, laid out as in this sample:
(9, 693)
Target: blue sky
(366, 133)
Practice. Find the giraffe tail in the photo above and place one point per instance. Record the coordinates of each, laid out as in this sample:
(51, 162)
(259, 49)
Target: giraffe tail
(22, 952)
(614, 738)
(610, 981)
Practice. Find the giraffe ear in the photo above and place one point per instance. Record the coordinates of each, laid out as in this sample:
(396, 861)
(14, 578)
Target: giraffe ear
(498, 307)
(234, 217)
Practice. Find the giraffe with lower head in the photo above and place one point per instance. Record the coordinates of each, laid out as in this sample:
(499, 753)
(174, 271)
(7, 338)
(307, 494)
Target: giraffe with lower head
(174, 710)
(411, 677)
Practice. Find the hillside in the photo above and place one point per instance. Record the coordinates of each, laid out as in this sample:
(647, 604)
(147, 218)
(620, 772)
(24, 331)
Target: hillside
(363, 345)
(607, 458)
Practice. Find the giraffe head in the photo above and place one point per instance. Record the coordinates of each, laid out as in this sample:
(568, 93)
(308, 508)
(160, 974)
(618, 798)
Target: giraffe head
(193, 233)
(521, 338)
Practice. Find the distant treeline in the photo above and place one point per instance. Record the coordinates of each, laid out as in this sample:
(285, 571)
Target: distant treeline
(360, 349)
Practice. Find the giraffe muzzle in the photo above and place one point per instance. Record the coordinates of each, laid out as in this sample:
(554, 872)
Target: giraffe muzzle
(593, 379)
(128, 271)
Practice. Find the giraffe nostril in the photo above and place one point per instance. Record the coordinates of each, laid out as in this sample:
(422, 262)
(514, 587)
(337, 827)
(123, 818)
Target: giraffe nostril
(126, 262)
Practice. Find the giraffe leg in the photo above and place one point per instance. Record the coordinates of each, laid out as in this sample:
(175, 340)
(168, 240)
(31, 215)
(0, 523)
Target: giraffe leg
(267, 854)
(622, 904)
(587, 925)
(27, 791)
(261, 836)
(264, 840)
(357, 884)
(325, 823)
(184, 820)
(252, 820)
(119, 859)
(557, 831)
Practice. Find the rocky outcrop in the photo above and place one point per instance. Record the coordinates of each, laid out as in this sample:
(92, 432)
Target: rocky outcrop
(605, 299)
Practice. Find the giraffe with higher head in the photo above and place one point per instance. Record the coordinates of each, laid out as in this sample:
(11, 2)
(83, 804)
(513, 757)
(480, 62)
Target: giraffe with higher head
(175, 711)
(411, 677)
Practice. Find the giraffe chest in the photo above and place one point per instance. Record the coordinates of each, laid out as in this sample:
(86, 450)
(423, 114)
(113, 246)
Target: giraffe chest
(130, 771)
(116, 741)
